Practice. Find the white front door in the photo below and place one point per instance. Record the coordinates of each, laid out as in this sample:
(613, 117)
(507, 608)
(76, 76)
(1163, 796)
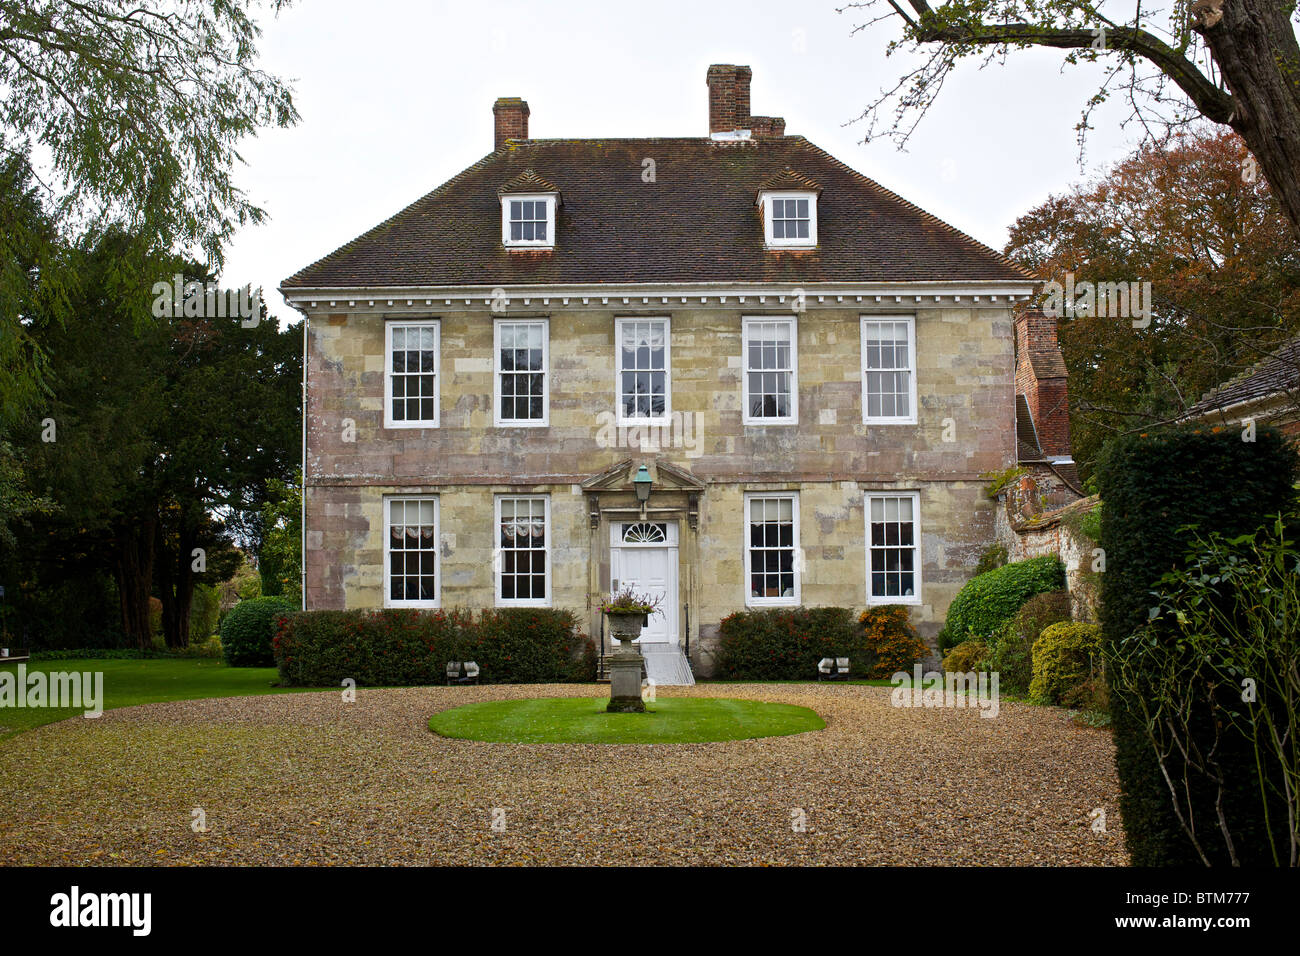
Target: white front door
(643, 556)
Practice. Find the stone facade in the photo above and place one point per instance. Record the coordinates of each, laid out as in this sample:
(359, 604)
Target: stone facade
(703, 463)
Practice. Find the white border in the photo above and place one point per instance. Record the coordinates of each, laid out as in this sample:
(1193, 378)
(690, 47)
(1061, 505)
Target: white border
(862, 362)
(793, 417)
(773, 243)
(498, 561)
(545, 420)
(436, 325)
(548, 242)
(751, 601)
(668, 371)
(918, 559)
(437, 552)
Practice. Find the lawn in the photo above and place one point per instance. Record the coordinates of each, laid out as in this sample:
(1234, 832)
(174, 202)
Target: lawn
(130, 682)
(669, 720)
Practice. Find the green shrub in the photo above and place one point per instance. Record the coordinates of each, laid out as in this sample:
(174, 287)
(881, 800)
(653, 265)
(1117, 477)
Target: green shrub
(1010, 650)
(1154, 485)
(891, 643)
(991, 599)
(205, 608)
(395, 647)
(246, 632)
(1065, 656)
(965, 657)
(787, 643)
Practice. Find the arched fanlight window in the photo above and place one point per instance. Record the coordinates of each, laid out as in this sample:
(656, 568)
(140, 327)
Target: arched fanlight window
(645, 532)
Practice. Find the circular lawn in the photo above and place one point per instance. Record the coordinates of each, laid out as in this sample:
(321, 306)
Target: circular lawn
(584, 720)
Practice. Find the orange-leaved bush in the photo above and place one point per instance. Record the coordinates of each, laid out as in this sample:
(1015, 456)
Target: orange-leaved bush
(891, 641)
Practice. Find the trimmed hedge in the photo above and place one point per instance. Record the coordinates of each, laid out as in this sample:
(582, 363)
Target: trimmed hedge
(891, 643)
(396, 647)
(991, 599)
(1066, 655)
(1011, 648)
(246, 632)
(1154, 484)
(786, 643)
(965, 657)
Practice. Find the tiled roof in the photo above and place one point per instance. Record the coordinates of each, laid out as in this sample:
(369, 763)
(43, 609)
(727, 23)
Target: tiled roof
(789, 179)
(528, 182)
(1278, 373)
(696, 222)
(1026, 438)
(1048, 364)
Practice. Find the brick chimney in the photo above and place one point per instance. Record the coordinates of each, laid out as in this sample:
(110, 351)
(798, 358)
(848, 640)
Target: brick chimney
(511, 115)
(729, 106)
(728, 97)
(1041, 378)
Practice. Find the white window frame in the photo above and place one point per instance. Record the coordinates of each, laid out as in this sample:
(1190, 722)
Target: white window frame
(498, 562)
(797, 559)
(389, 326)
(793, 417)
(668, 371)
(549, 241)
(785, 242)
(390, 601)
(916, 547)
(909, 419)
(545, 420)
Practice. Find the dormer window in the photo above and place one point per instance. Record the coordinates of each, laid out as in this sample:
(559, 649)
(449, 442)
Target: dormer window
(529, 221)
(528, 205)
(789, 219)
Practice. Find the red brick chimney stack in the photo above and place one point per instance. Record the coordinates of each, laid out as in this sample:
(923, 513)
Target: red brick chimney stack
(728, 97)
(511, 116)
(1041, 378)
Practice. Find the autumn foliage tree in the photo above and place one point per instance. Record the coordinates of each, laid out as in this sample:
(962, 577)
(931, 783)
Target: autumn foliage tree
(1187, 216)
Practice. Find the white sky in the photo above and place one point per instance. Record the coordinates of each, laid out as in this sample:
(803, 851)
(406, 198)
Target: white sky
(396, 97)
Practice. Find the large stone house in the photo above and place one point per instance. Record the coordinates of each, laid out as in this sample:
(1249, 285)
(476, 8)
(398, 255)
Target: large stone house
(807, 372)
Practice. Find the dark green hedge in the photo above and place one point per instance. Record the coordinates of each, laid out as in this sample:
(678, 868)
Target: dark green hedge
(787, 643)
(246, 632)
(991, 599)
(1152, 485)
(409, 647)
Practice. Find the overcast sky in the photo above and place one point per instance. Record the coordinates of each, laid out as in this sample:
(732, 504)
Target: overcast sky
(396, 97)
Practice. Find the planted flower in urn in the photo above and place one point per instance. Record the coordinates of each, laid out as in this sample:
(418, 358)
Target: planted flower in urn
(628, 612)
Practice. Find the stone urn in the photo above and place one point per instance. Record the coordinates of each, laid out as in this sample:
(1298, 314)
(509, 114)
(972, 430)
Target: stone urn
(625, 663)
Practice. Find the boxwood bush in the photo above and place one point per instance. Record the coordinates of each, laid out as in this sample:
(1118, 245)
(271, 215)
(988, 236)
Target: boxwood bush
(396, 647)
(989, 600)
(247, 631)
(965, 657)
(1066, 656)
(1010, 649)
(1155, 487)
(786, 643)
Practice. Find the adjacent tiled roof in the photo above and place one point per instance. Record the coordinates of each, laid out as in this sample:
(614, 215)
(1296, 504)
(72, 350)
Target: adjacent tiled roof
(1278, 373)
(789, 179)
(1027, 448)
(528, 182)
(1049, 364)
(697, 222)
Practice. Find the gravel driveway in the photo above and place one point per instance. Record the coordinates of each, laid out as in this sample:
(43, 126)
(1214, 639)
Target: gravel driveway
(306, 778)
